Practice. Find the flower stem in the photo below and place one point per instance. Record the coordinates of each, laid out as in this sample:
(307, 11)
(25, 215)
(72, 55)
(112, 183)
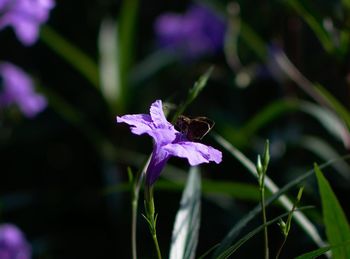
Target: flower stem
(151, 217)
(136, 186)
(134, 207)
(261, 168)
(262, 200)
(155, 240)
(133, 228)
(281, 247)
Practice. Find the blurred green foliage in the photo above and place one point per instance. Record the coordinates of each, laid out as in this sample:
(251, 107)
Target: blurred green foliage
(64, 173)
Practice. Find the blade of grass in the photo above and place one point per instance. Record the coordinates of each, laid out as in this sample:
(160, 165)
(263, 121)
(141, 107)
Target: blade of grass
(318, 252)
(337, 226)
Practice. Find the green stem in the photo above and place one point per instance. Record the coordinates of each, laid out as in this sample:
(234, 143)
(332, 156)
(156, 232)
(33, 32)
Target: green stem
(286, 228)
(280, 249)
(151, 217)
(155, 240)
(133, 228)
(262, 196)
(134, 207)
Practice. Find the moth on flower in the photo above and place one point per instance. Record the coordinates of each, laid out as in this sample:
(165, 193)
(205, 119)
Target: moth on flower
(168, 141)
(194, 129)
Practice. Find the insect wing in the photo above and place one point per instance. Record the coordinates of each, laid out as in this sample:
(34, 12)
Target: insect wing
(182, 123)
(198, 128)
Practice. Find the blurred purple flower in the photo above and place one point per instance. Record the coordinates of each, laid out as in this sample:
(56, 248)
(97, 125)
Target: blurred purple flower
(17, 88)
(25, 16)
(13, 244)
(168, 141)
(197, 32)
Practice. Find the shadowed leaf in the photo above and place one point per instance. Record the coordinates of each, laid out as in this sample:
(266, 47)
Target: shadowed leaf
(186, 227)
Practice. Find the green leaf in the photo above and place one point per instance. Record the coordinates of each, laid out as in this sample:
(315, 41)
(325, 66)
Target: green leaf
(314, 254)
(186, 227)
(72, 54)
(318, 252)
(337, 226)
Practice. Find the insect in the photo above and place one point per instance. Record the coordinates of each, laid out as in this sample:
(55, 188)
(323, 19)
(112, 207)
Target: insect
(194, 129)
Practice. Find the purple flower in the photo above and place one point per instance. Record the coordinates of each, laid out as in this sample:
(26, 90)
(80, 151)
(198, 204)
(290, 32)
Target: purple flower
(25, 16)
(197, 32)
(13, 244)
(168, 141)
(17, 88)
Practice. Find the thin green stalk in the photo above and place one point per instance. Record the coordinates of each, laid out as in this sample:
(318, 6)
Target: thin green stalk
(155, 240)
(263, 208)
(134, 207)
(151, 217)
(261, 168)
(285, 227)
(133, 227)
(136, 186)
(281, 247)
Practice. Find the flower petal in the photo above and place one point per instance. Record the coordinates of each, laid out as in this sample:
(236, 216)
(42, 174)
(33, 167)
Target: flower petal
(162, 136)
(156, 165)
(140, 123)
(13, 242)
(158, 116)
(18, 88)
(196, 153)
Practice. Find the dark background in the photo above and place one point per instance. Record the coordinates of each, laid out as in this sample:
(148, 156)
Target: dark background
(54, 177)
